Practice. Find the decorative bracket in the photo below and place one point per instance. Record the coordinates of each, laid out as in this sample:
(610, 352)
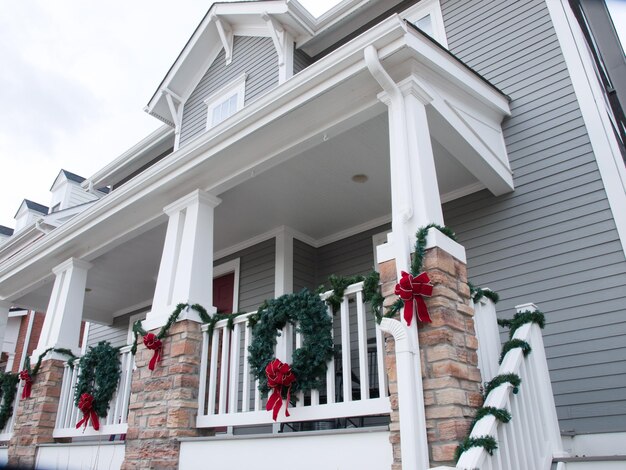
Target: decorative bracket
(175, 103)
(278, 35)
(225, 32)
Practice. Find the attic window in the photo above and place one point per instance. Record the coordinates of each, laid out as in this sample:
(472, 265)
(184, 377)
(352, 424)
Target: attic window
(426, 15)
(226, 101)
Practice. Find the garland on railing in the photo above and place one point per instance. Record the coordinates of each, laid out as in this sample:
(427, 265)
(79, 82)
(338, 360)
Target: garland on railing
(8, 390)
(488, 442)
(27, 375)
(371, 292)
(477, 293)
(97, 381)
(521, 318)
(308, 313)
(512, 344)
(153, 342)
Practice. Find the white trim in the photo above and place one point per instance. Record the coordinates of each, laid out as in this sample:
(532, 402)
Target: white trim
(590, 99)
(85, 338)
(462, 192)
(146, 304)
(283, 262)
(377, 222)
(423, 9)
(232, 266)
(130, 336)
(236, 87)
(379, 239)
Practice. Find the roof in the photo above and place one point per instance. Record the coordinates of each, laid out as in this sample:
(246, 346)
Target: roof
(73, 176)
(35, 206)
(6, 231)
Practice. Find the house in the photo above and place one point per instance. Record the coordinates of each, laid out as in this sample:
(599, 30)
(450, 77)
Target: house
(294, 148)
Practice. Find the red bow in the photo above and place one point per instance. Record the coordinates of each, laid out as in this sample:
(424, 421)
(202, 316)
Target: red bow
(411, 289)
(153, 343)
(85, 404)
(28, 383)
(279, 375)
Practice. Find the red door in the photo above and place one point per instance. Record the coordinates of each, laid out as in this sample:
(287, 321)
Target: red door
(223, 290)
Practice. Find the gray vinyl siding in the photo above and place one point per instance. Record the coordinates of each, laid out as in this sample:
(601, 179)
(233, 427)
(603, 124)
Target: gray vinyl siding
(300, 61)
(348, 257)
(116, 334)
(255, 56)
(553, 240)
(256, 274)
(304, 266)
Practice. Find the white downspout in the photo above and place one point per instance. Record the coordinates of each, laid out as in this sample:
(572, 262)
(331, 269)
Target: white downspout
(413, 442)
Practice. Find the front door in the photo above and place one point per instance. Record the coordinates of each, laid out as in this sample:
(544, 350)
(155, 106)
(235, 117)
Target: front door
(223, 291)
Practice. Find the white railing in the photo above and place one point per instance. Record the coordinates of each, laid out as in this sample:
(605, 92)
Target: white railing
(355, 383)
(532, 437)
(488, 335)
(7, 431)
(116, 420)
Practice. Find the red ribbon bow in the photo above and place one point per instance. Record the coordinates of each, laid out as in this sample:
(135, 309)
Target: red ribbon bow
(28, 383)
(279, 375)
(85, 404)
(153, 343)
(411, 289)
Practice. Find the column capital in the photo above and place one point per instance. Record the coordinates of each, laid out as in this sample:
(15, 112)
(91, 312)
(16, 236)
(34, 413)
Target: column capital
(71, 263)
(197, 196)
(410, 86)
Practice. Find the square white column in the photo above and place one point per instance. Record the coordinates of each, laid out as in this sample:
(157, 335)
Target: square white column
(186, 270)
(61, 327)
(414, 189)
(4, 318)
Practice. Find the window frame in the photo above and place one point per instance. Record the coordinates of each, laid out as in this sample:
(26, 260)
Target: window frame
(423, 9)
(235, 87)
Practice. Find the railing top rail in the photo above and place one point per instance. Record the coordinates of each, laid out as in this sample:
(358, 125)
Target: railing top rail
(351, 289)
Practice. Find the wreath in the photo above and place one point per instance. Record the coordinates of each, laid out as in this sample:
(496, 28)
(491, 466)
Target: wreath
(97, 381)
(8, 390)
(308, 313)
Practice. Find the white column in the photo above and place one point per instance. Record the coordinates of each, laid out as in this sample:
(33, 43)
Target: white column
(414, 190)
(283, 284)
(4, 318)
(186, 270)
(61, 327)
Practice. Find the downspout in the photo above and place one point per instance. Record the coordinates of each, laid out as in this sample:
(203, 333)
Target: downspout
(413, 443)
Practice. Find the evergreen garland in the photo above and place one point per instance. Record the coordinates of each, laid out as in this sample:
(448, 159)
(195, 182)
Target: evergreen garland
(500, 414)
(35, 370)
(487, 442)
(476, 293)
(99, 375)
(512, 344)
(420, 245)
(498, 380)
(307, 312)
(371, 292)
(521, 318)
(138, 328)
(8, 390)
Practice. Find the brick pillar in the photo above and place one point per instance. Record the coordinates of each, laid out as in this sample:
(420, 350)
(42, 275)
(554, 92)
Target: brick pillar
(36, 416)
(451, 378)
(164, 402)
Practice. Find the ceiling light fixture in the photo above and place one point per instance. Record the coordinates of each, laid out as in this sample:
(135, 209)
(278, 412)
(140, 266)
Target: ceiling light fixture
(360, 178)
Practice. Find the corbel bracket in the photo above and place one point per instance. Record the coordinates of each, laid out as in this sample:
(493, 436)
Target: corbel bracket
(225, 32)
(278, 35)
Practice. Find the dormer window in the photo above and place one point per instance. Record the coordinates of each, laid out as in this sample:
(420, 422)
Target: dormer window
(426, 15)
(226, 101)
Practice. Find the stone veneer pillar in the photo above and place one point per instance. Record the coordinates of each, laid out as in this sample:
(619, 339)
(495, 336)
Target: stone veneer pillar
(164, 402)
(450, 374)
(36, 416)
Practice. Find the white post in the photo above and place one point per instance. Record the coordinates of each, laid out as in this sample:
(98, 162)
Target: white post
(488, 335)
(186, 270)
(61, 326)
(4, 318)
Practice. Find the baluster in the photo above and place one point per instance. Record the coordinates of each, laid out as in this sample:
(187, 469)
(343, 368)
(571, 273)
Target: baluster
(363, 359)
(533, 428)
(204, 367)
(245, 396)
(233, 385)
(518, 427)
(380, 363)
(346, 362)
(330, 372)
(223, 398)
(300, 402)
(128, 372)
(213, 372)
(63, 400)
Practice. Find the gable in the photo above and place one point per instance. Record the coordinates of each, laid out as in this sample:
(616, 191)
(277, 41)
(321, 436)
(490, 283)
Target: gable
(253, 55)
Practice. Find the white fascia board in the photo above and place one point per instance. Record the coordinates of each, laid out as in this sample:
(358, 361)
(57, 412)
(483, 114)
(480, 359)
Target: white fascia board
(130, 159)
(458, 73)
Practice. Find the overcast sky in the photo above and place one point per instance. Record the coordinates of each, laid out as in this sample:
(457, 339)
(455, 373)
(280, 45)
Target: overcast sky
(75, 76)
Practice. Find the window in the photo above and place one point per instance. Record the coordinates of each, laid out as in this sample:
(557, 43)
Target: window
(226, 101)
(426, 15)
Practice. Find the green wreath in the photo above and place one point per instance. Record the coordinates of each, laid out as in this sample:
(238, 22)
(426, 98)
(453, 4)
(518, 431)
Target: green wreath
(8, 390)
(99, 374)
(306, 311)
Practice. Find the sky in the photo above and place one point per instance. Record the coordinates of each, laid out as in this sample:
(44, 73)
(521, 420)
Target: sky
(75, 77)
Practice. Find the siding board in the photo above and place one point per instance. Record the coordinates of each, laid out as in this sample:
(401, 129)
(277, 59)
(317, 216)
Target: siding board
(553, 240)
